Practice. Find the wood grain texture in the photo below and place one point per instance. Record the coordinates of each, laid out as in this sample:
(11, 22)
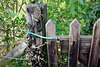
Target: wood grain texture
(32, 13)
(33, 16)
(94, 50)
(44, 20)
(85, 42)
(28, 16)
(52, 48)
(74, 41)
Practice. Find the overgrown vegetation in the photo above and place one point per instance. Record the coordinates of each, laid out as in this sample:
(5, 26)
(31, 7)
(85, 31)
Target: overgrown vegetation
(86, 12)
(12, 23)
(61, 12)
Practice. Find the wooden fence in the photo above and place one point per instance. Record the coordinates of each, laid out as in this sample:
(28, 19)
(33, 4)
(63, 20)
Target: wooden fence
(84, 49)
(77, 46)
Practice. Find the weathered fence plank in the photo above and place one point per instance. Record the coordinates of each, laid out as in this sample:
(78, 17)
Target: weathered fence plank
(94, 50)
(33, 16)
(28, 16)
(52, 48)
(85, 42)
(44, 20)
(74, 40)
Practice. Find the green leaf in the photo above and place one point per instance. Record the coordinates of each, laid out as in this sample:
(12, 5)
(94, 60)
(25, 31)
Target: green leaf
(30, 1)
(63, 5)
(81, 2)
(15, 15)
(6, 19)
(1, 7)
(71, 2)
(79, 8)
(73, 13)
(11, 14)
(70, 20)
(11, 47)
(6, 39)
(5, 1)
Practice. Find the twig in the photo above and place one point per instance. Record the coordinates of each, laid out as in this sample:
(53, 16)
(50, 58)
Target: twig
(21, 6)
(3, 30)
(38, 46)
(22, 9)
(61, 13)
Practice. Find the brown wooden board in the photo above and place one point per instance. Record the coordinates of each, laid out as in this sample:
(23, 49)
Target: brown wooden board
(64, 46)
(51, 46)
(74, 40)
(94, 50)
(44, 20)
(84, 43)
(33, 16)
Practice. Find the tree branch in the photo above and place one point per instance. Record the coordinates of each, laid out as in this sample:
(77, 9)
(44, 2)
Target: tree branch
(21, 6)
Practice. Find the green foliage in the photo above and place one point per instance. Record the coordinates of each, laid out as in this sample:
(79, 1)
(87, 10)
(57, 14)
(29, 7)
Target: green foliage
(64, 13)
(13, 23)
(12, 27)
(19, 63)
(64, 60)
(11, 14)
(61, 12)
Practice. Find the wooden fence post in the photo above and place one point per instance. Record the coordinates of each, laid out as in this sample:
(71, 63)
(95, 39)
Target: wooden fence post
(44, 20)
(36, 18)
(74, 40)
(95, 46)
(51, 46)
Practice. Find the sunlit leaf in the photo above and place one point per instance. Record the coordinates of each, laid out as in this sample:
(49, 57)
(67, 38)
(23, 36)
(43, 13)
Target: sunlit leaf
(5, 1)
(11, 47)
(6, 39)
(63, 5)
(11, 14)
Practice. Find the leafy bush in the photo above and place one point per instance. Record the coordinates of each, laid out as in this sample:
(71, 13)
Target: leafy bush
(86, 12)
(13, 25)
(62, 12)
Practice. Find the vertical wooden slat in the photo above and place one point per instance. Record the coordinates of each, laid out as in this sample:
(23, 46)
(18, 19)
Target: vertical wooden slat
(94, 50)
(33, 16)
(52, 49)
(29, 21)
(44, 20)
(74, 39)
(28, 16)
